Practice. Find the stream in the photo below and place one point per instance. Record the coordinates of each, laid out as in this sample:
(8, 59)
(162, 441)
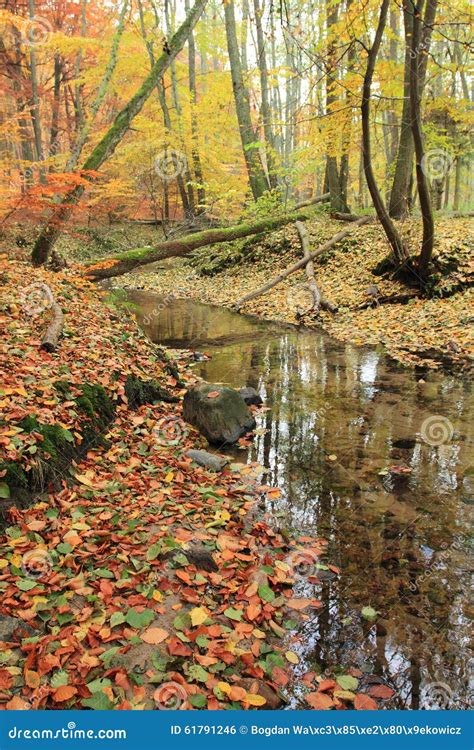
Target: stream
(373, 457)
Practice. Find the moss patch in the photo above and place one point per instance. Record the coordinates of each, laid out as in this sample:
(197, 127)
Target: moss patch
(139, 392)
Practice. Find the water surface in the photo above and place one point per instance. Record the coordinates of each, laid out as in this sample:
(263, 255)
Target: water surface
(344, 441)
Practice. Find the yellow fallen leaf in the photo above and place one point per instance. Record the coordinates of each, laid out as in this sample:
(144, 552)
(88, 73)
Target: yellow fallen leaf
(292, 657)
(198, 616)
(255, 700)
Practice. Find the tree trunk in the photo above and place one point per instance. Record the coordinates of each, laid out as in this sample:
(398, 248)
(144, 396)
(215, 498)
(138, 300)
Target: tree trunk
(101, 93)
(266, 109)
(127, 261)
(114, 135)
(399, 205)
(35, 104)
(198, 173)
(54, 136)
(161, 92)
(427, 243)
(393, 236)
(257, 180)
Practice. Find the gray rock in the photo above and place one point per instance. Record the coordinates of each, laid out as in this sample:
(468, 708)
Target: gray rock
(222, 419)
(201, 557)
(14, 629)
(208, 460)
(251, 396)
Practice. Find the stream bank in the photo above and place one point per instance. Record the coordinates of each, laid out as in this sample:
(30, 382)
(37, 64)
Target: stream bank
(425, 333)
(139, 580)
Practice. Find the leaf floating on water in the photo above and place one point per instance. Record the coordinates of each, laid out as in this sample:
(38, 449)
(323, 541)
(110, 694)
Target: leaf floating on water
(319, 701)
(381, 691)
(369, 613)
(347, 682)
(364, 702)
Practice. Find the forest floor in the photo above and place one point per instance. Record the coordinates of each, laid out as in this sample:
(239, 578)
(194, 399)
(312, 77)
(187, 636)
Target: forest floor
(100, 606)
(431, 333)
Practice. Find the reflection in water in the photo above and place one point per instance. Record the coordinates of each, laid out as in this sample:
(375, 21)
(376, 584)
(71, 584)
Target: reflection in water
(339, 418)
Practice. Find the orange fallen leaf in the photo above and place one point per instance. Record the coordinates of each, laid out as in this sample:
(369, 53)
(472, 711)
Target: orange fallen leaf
(64, 693)
(364, 702)
(319, 701)
(154, 635)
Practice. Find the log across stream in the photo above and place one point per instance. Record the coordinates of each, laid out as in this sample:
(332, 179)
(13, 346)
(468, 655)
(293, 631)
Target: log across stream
(375, 459)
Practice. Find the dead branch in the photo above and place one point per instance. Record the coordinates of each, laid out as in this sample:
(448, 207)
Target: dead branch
(301, 263)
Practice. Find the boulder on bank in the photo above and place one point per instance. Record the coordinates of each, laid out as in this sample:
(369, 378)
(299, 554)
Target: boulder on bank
(208, 460)
(219, 413)
(251, 396)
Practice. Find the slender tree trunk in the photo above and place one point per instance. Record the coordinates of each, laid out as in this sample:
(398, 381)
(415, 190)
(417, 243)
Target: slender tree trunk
(35, 103)
(399, 198)
(266, 108)
(257, 180)
(78, 108)
(161, 92)
(334, 179)
(427, 243)
(101, 93)
(114, 135)
(393, 236)
(54, 139)
(201, 192)
(188, 179)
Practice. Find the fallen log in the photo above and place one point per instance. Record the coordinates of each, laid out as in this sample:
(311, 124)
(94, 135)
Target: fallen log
(53, 332)
(318, 300)
(340, 216)
(312, 286)
(127, 261)
(301, 263)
